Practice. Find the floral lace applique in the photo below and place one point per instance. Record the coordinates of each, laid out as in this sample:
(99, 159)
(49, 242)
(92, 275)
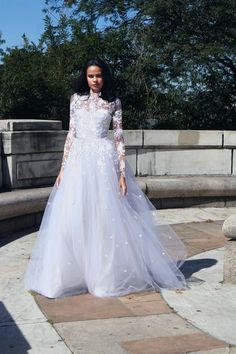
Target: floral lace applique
(92, 104)
(71, 133)
(118, 135)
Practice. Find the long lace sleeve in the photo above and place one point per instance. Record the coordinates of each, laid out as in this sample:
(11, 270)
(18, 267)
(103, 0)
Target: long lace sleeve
(70, 135)
(118, 135)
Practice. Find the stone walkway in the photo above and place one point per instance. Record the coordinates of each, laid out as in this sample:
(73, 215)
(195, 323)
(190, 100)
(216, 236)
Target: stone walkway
(146, 323)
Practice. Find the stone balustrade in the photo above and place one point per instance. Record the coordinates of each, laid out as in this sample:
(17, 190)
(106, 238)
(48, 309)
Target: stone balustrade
(31, 152)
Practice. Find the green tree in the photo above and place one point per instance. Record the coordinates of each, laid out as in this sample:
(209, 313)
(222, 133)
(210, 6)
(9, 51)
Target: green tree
(174, 61)
(183, 52)
(35, 79)
(2, 41)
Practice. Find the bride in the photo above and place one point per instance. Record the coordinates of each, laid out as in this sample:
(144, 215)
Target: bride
(98, 233)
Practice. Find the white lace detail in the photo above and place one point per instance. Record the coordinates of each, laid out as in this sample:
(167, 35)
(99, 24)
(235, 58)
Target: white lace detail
(118, 135)
(71, 133)
(90, 118)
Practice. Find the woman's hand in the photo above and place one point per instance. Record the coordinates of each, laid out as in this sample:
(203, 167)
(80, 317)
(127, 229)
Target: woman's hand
(59, 177)
(122, 185)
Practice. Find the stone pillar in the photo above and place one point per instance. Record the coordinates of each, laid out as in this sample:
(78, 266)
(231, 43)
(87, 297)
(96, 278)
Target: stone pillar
(32, 152)
(229, 230)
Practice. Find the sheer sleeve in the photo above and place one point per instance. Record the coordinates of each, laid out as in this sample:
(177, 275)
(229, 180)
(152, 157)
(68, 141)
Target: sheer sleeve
(118, 135)
(70, 135)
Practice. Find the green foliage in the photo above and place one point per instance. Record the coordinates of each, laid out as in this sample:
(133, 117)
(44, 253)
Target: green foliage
(1, 42)
(174, 61)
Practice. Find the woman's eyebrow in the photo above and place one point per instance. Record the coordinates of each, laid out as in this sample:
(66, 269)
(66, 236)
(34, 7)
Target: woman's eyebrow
(94, 74)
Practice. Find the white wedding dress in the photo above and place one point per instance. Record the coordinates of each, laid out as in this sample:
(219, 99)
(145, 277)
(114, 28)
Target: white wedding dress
(92, 238)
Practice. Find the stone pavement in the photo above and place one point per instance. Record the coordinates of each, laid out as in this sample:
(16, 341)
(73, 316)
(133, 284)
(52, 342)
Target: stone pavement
(198, 320)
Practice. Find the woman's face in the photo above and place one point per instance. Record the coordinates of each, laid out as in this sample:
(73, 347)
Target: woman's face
(94, 78)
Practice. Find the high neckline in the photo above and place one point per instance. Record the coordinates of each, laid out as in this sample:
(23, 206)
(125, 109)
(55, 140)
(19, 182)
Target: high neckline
(95, 94)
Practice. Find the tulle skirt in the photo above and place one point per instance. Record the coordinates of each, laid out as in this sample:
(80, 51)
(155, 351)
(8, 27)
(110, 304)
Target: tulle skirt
(93, 239)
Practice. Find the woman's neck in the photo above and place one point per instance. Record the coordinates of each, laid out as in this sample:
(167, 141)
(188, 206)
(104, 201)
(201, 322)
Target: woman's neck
(94, 94)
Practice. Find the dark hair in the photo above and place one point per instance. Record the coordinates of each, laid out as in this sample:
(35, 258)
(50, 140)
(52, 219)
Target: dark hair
(81, 84)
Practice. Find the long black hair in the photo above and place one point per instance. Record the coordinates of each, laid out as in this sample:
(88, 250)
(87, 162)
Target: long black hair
(81, 84)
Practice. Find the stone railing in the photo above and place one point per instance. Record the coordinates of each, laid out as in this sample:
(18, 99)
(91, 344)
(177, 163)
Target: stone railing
(31, 152)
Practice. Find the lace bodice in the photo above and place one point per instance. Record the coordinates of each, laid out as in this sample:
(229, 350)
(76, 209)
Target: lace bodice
(90, 117)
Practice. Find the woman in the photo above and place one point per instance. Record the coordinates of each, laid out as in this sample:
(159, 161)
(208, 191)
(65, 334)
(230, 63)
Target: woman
(98, 233)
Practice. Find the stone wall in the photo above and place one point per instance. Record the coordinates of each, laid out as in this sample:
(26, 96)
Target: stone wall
(181, 152)
(31, 152)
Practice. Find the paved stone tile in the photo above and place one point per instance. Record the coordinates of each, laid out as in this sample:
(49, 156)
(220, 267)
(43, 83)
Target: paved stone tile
(145, 303)
(183, 227)
(81, 307)
(213, 351)
(199, 237)
(148, 308)
(210, 305)
(140, 297)
(193, 250)
(212, 228)
(88, 307)
(205, 244)
(105, 336)
(196, 235)
(186, 215)
(173, 344)
(100, 336)
(16, 305)
(204, 229)
(197, 247)
(37, 338)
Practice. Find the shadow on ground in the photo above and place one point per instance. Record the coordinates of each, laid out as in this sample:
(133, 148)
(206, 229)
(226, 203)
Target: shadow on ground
(4, 240)
(195, 265)
(11, 338)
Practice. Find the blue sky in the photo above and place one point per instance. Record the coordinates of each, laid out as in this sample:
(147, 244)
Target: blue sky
(18, 17)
